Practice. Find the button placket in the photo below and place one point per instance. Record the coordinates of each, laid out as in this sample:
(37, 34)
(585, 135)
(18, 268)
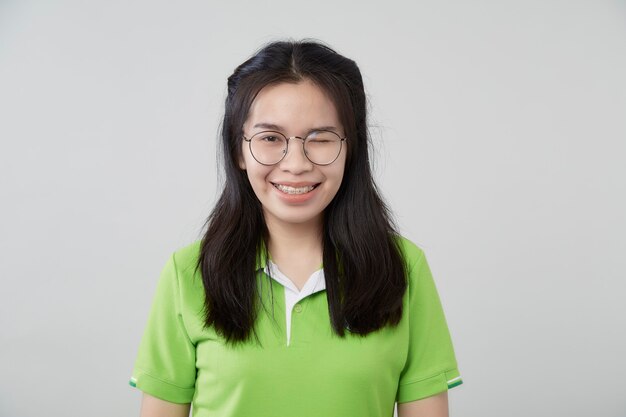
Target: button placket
(294, 298)
(296, 317)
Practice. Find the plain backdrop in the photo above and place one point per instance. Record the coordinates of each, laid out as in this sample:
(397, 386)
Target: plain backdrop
(499, 136)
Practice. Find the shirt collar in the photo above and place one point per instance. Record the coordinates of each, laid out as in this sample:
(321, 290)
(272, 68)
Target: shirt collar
(315, 283)
(261, 259)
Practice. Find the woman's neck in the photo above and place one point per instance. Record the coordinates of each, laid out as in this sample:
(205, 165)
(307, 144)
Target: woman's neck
(295, 240)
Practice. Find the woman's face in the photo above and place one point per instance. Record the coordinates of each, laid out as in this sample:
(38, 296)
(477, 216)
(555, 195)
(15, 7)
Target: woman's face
(282, 189)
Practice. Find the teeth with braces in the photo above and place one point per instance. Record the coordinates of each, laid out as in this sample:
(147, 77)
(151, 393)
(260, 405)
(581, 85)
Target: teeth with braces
(292, 190)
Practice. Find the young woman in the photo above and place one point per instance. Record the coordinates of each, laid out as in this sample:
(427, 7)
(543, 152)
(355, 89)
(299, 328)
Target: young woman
(301, 299)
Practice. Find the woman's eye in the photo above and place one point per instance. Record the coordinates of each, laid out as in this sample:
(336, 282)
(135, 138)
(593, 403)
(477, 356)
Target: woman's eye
(270, 138)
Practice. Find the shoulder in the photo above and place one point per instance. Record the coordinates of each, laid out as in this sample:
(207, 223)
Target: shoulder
(188, 276)
(411, 253)
(186, 257)
(189, 252)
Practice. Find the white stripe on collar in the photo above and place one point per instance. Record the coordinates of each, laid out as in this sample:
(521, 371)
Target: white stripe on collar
(315, 283)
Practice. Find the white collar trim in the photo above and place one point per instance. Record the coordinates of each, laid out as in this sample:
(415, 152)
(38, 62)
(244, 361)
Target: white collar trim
(315, 283)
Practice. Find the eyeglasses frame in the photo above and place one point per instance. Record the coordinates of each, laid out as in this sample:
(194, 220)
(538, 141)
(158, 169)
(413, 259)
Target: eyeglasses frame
(341, 140)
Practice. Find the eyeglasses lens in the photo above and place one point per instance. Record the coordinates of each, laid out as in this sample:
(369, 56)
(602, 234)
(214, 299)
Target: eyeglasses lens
(321, 147)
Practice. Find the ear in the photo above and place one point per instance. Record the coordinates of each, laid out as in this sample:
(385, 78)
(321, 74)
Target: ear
(242, 163)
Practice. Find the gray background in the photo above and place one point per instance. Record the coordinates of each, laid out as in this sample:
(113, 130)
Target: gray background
(499, 132)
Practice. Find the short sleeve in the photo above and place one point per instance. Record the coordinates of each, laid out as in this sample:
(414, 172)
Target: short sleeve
(165, 364)
(431, 365)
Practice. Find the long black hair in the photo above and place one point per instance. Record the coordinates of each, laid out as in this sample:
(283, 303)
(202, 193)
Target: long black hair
(363, 264)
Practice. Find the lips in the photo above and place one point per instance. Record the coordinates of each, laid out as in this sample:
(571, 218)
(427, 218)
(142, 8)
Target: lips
(295, 189)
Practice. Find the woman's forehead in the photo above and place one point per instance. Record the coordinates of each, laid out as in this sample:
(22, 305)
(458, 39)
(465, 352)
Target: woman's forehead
(292, 105)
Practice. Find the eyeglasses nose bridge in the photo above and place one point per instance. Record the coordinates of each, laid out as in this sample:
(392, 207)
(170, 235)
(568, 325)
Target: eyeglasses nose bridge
(294, 137)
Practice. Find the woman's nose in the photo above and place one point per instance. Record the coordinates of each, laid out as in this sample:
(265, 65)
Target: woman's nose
(295, 160)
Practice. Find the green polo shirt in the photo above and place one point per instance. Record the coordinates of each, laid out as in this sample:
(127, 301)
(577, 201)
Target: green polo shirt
(316, 374)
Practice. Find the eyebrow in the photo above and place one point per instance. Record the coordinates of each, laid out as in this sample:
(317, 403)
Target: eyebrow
(272, 126)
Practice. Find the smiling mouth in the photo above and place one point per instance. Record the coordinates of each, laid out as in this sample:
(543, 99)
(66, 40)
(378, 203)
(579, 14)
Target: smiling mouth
(295, 190)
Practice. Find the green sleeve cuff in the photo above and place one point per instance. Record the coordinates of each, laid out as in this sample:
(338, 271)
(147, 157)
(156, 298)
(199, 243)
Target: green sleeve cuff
(161, 389)
(429, 386)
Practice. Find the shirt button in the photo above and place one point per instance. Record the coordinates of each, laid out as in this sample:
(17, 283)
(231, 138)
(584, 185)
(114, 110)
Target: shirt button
(297, 308)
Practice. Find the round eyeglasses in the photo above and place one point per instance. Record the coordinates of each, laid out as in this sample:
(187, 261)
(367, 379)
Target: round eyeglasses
(322, 147)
